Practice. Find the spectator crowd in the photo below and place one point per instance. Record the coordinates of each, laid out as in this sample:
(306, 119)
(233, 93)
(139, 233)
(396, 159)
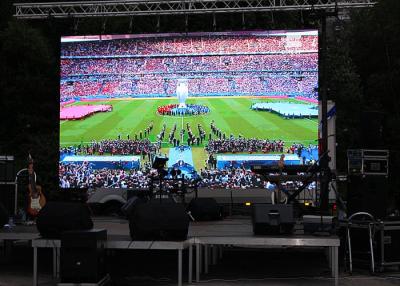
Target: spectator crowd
(175, 110)
(243, 145)
(219, 65)
(73, 175)
(202, 44)
(84, 176)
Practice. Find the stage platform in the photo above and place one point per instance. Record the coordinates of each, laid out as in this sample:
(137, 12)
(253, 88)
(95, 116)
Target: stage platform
(209, 239)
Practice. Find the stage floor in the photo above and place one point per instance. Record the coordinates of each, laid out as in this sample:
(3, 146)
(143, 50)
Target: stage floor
(280, 267)
(119, 228)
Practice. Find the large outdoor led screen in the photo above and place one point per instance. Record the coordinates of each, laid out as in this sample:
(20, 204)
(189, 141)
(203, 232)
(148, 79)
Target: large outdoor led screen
(213, 103)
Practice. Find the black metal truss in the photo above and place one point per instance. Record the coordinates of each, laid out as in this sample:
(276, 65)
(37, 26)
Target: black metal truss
(83, 9)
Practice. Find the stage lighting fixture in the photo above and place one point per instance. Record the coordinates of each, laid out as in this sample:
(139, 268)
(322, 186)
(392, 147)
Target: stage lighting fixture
(214, 23)
(131, 25)
(158, 24)
(186, 23)
(247, 204)
(76, 26)
(103, 26)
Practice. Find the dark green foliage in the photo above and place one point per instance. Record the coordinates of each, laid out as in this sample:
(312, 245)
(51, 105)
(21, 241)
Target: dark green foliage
(375, 49)
(29, 97)
(344, 89)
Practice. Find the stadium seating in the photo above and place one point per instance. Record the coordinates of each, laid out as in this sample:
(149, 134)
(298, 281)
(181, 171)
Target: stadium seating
(224, 65)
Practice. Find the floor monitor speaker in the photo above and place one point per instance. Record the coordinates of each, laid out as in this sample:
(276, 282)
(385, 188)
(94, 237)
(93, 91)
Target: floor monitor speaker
(57, 217)
(83, 256)
(3, 215)
(159, 221)
(272, 219)
(203, 209)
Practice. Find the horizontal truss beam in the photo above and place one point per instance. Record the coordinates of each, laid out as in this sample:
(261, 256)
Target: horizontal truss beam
(83, 9)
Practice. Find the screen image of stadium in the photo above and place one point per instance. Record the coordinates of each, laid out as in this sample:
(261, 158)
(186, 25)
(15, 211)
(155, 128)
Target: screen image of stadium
(214, 103)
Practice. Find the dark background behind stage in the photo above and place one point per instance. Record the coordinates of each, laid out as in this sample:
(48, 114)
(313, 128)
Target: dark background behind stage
(363, 67)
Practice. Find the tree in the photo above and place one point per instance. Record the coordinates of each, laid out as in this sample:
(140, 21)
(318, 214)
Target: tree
(344, 89)
(29, 96)
(375, 50)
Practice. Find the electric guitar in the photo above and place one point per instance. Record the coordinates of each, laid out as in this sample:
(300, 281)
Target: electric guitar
(36, 199)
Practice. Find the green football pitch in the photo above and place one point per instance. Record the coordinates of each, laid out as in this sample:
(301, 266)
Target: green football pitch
(232, 115)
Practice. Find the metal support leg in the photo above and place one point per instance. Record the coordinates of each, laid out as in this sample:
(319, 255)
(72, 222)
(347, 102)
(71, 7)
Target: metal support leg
(214, 254)
(330, 258)
(349, 250)
(201, 258)
(371, 247)
(198, 262)
(58, 261)
(190, 264)
(55, 262)
(334, 251)
(382, 234)
(179, 267)
(220, 251)
(35, 278)
(206, 249)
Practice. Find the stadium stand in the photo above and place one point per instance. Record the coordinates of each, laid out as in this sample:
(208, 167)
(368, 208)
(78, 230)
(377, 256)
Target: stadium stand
(216, 66)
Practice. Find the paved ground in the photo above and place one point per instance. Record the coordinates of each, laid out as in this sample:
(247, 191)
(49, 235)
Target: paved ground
(238, 267)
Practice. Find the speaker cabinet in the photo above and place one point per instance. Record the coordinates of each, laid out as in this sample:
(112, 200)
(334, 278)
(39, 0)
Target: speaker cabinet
(203, 209)
(7, 197)
(367, 194)
(7, 169)
(159, 221)
(3, 215)
(56, 217)
(83, 256)
(272, 219)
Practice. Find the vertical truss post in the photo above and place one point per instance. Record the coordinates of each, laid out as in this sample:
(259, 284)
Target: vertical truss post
(324, 197)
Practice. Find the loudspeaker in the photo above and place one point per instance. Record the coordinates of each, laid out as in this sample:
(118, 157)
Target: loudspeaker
(130, 206)
(159, 221)
(272, 219)
(83, 256)
(367, 194)
(7, 197)
(372, 129)
(3, 215)
(203, 209)
(7, 169)
(57, 217)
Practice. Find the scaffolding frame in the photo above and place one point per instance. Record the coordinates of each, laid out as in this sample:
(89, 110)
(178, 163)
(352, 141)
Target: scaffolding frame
(85, 9)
